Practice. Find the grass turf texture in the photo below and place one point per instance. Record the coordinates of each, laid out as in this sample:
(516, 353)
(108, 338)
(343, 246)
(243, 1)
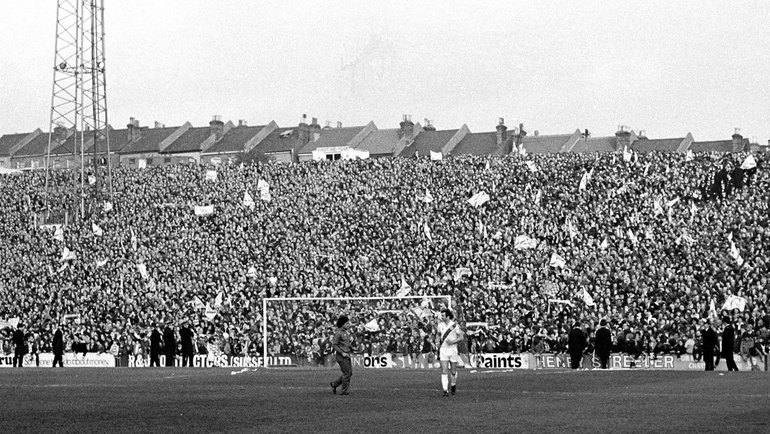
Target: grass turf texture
(300, 400)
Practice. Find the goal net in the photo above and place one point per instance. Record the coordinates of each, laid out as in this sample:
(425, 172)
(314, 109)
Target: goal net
(304, 326)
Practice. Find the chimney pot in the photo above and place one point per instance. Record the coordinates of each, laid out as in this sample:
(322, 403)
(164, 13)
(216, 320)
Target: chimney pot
(738, 131)
(339, 124)
(501, 121)
(241, 122)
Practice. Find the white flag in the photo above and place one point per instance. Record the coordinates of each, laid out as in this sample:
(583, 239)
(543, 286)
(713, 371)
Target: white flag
(210, 313)
(657, 207)
(133, 240)
(435, 156)
(211, 175)
(405, 288)
(247, 200)
(522, 150)
(479, 199)
(58, 233)
(689, 156)
(372, 326)
(557, 261)
(107, 206)
(101, 263)
(143, 271)
(97, 230)
(632, 237)
(626, 153)
(587, 299)
(427, 231)
(523, 242)
(428, 197)
(571, 229)
(218, 300)
(264, 190)
(672, 202)
(532, 166)
(252, 272)
(604, 244)
(646, 168)
(91, 179)
(203, 211)
(735, 253)
(749, 163)
(688, 238)
(67, 255)
(538, 196)
(583, 182)
(197, 303)
(462, 271)
(734, 302)
(693, 208)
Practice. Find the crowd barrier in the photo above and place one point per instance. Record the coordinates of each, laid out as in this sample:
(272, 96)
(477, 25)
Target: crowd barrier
(524, 361)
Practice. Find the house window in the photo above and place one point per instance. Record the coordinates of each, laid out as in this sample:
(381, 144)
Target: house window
(149, 161)
(333, 157)
(132, 161)
(166, 160)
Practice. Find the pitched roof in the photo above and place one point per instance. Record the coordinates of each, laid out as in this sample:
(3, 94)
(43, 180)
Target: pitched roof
(428, 141)
(9, 140)
(235, 139)
(37, 146)
(189, 141)
(544, 144)
(479, 144)
(149, 141)
(380, 141)
(718, 146)
(644, 144)
(332, 137)
(280, 140)
(118, 141)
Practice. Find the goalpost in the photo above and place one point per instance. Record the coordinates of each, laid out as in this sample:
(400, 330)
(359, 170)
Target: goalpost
(266, 300)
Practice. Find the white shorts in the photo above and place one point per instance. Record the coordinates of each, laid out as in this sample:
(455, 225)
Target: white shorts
(449, 355)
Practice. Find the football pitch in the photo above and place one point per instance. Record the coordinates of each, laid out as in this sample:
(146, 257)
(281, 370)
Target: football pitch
(388, 400)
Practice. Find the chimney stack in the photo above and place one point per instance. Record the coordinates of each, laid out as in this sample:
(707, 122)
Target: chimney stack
(159, 125)
(502, 133)
(217, 127)
(737, 141)
(624, 136)
(407, 127)
(304, 131)
(134, 132)
(429, 125)
(314, 124)
(339, 124)
(242, 122)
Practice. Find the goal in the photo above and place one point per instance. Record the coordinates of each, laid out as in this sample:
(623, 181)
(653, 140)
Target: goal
(358, 308)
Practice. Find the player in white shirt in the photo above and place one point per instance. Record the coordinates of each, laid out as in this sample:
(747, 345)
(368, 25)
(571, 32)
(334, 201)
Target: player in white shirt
(448, 335)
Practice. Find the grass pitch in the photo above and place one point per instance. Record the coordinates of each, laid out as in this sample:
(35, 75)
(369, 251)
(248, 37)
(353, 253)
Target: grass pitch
(300, 400)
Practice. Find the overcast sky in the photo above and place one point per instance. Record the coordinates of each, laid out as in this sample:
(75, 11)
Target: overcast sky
(667, 67)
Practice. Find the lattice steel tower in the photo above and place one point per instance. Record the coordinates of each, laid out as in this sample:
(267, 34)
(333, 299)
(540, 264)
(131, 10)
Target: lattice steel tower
(79, 100)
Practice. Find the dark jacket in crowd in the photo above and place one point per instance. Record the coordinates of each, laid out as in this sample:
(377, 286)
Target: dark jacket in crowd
(186, 336)
(577, 341)
(603, 343)
(58, 342)
(155, 341)
(728, 341)
(19, 342)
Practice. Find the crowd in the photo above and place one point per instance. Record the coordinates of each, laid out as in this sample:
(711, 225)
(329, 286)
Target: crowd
(656, 245)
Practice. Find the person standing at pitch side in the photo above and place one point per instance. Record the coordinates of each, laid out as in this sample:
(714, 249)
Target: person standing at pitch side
(342, 343)
(448, 335)
(603, 344)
